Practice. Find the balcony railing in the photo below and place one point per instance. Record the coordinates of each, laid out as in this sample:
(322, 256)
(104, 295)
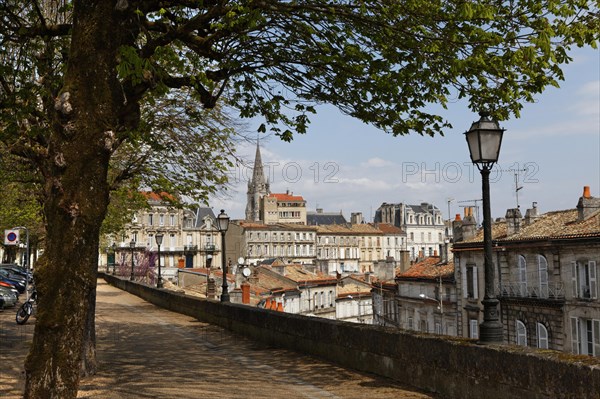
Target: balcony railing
(209, 248)
(521, 290)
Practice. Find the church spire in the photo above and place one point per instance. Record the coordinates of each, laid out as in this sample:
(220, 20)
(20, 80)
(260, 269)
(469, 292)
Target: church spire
(258, 187)
(258, 174)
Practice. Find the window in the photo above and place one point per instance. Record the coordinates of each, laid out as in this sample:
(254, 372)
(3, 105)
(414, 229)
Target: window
(522, 275)
(438, 328)
(542, 336)
(473, 329)
(150, 219)
(521, 338)
(173, 240)
(584, 279)
(172, 220)
(161, 220)
(585, 336)
(470, 281)
(543, 276)
(410, 323)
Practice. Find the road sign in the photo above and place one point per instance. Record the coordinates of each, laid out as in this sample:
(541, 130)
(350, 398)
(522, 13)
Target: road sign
(11, 237)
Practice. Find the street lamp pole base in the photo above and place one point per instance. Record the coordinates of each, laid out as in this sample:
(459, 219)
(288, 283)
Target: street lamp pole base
(225, 297)
(159, 284)
(490, 331)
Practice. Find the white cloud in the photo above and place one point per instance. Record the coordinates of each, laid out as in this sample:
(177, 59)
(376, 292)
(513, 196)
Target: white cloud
(376, 163)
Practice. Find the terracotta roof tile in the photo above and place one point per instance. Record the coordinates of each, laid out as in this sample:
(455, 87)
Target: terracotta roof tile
(348, 229)
(286, 197)
(551, 225)
(387, 228)
(429, 268)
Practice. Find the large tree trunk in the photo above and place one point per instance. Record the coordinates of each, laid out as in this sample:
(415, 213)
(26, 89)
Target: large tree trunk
(76, 201)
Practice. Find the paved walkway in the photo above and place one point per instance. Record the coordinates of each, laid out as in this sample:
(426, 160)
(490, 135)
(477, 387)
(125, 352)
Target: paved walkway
(148, 352)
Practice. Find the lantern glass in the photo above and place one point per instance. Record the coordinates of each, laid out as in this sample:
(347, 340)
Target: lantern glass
(484, 140)
(222, 221)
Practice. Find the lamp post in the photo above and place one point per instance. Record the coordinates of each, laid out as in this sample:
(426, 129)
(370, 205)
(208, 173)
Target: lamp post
(114, 248)
(159, 239)
(222, 226)
(132, 246)
(484, 140)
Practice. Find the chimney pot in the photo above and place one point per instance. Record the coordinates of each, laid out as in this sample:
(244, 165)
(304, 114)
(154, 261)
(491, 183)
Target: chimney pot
(457, 217)
(586, 192)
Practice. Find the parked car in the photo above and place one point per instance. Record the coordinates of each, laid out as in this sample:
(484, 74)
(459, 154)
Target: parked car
(9, 298)
(10, 288)
(18, 283)
(16, 270)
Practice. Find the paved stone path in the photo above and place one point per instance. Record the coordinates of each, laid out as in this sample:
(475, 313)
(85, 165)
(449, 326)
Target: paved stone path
(148, 352)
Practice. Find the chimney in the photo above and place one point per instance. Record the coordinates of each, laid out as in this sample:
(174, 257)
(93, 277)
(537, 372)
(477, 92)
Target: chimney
(532, 214)
(211, 289)
(356, 218)
(587, 205)
(404, 260)
(457, 228)
(469, 226)
(245, 293)
(513, 221)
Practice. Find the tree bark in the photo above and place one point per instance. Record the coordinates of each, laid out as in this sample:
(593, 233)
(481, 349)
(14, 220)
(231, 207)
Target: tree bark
(76, 199)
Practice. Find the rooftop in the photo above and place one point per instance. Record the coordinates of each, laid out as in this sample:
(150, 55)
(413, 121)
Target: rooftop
(287, 197)
(348, 229)
(551, 225)
(430, 268)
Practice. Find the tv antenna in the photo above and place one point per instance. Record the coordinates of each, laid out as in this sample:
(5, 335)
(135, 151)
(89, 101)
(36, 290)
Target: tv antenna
(517, 187)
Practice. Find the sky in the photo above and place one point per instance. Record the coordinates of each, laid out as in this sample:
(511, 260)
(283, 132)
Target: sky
(343, 165)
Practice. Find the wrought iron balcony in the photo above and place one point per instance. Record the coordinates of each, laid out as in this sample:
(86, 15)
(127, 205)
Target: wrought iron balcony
(524, 290)
(209, 248)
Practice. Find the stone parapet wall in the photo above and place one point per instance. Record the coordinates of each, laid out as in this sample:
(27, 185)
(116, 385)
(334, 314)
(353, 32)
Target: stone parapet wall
(452, 367)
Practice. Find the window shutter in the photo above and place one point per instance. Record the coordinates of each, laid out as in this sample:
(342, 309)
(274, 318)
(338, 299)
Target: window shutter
(596, 336)
(575, 335)
(475, 283)
(464, 281)
(574, 279)
(593, 285)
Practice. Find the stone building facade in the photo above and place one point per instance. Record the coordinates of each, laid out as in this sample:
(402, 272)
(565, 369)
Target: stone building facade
(423, 224)
(546, 278)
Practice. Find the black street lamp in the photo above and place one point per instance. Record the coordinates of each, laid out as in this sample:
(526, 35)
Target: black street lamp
(159, 239)
(132, 246)
(114, 250)
(222, 226)
(484, 139)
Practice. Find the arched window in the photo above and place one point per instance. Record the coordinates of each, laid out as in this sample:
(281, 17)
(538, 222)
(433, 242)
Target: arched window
(522, 275)
(521, 334)
(542, 336)
(543, 276)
